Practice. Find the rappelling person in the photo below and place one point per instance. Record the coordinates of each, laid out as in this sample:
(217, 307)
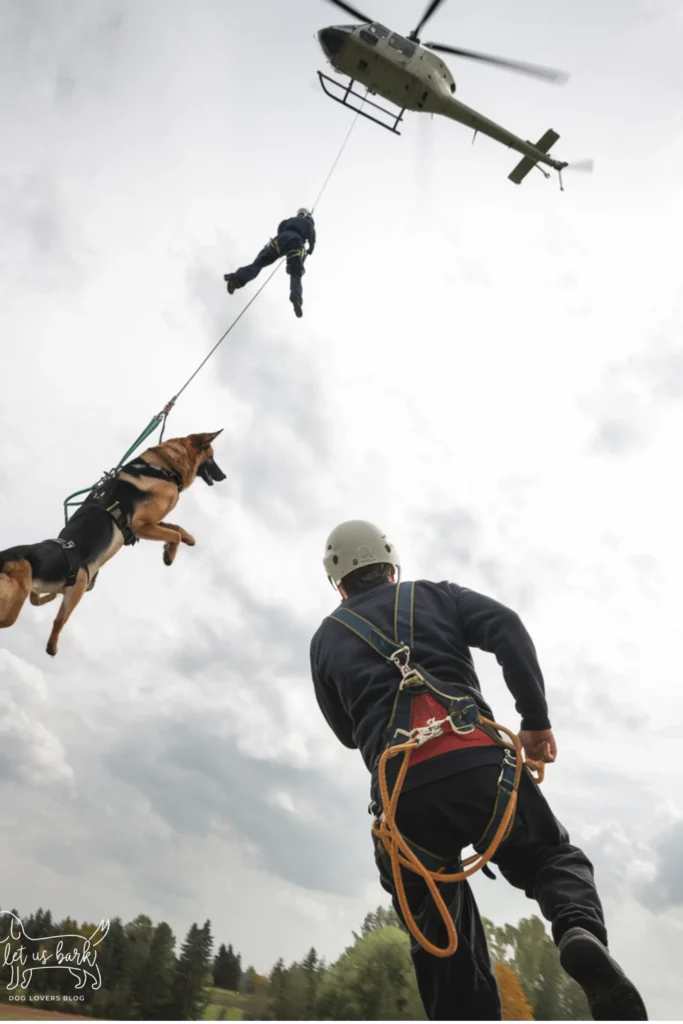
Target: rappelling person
(455, 785)
(290, 241)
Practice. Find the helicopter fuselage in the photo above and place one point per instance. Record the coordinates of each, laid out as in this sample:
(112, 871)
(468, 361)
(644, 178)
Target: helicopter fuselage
(389, 65)
(415, 78)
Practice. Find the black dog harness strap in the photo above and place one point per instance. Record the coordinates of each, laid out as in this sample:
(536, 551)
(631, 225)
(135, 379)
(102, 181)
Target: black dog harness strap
(142, 468)
(74, 562)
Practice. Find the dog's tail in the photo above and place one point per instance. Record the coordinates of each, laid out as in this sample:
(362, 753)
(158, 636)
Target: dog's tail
(15, 586)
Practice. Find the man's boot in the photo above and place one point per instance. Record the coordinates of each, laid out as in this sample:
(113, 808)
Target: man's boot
(610, 994)
(298, 305)
(232, 283)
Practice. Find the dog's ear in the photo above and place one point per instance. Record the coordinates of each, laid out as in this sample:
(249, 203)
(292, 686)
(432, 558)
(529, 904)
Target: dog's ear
(203, 441)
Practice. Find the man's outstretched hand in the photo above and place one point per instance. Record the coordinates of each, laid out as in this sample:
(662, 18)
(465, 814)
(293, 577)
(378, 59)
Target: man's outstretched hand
(538, 745)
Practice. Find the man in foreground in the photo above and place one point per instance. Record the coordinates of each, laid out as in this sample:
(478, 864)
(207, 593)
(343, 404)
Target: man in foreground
(452, 783)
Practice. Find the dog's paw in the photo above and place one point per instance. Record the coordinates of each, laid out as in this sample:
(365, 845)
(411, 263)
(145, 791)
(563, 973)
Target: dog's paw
(189, 540)
(51, 648)
(168, 557)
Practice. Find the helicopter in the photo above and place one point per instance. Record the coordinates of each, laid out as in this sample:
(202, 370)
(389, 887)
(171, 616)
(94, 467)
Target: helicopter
(412, 77)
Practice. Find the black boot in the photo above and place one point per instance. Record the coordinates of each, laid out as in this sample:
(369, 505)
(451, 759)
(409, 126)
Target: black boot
(232, 282)
(297, 303)
(610, 994)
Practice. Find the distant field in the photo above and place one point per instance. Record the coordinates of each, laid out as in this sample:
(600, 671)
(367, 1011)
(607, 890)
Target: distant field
(225, 1005)
(31, 1011)
(216, 1012)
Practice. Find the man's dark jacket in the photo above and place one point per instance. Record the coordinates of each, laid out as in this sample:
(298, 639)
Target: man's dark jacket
(301, 226)
(356, 688)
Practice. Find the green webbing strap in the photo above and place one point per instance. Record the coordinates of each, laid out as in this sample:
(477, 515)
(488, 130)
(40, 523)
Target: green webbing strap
(149, 429)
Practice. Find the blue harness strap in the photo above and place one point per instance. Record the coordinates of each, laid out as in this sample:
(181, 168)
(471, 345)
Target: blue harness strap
(404, 615)
(506, 787)
(461, 708)
(366, 631)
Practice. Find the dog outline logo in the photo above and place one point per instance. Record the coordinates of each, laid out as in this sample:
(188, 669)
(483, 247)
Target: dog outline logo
(80, 960)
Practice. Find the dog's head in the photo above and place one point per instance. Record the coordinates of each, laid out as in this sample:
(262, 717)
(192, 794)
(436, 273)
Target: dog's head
(207, 467)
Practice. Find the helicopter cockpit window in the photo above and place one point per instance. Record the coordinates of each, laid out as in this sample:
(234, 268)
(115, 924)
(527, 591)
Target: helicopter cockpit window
(402, 45)
(380, 31)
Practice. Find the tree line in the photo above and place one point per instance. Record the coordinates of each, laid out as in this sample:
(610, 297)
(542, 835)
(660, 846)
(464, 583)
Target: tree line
(145, 978)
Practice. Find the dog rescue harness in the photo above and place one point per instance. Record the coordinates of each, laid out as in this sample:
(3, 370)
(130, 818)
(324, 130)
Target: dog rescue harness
(462, 714)
(74, 562)
(122, 515)
(141, 468)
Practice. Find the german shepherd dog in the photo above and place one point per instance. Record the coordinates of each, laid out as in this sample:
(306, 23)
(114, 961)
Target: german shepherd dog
(127, 507)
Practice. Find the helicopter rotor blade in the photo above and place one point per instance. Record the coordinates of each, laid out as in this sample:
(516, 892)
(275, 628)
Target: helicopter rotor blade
(431, 9)
(353, 11)
(535, 70)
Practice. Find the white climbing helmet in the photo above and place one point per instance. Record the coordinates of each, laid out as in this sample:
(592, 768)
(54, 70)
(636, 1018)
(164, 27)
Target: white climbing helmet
(354, 544)
(303, 212)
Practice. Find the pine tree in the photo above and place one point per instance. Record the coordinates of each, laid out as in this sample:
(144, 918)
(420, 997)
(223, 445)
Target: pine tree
(194, 963)
(233, 972)
(219, 968)
(276, 988)
(310, 965)
(247, 982)
(159, 975)
(226, 969)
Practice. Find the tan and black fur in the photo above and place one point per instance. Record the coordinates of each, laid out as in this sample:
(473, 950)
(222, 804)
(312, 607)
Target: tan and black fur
(143, 493)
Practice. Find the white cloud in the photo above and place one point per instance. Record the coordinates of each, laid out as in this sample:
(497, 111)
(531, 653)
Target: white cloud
(30, 753)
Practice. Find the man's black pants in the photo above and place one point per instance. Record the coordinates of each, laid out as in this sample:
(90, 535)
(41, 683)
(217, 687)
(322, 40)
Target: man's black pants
(290, 245)
(445, 817)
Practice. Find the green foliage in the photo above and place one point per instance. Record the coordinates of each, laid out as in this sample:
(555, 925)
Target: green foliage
(247, 982)
(144, 979)
(530, 952)
(383, 917)
(227, 969)
(192, 975)
(372, 980)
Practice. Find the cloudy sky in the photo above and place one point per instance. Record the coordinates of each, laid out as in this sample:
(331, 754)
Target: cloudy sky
(494, 373)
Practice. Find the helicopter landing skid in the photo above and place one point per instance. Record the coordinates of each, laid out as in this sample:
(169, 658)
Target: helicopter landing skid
(347, 91)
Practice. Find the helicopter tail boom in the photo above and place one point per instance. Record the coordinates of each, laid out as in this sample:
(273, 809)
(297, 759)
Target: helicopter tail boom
(527, 164)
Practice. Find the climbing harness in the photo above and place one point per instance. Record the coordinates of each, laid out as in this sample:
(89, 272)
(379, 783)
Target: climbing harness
(464, 712)
(94, 491)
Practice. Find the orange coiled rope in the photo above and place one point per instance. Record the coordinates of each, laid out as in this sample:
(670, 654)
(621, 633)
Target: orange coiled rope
(401, 855)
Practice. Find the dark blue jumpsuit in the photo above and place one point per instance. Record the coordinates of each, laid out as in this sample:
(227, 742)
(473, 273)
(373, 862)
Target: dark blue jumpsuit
(292, 233)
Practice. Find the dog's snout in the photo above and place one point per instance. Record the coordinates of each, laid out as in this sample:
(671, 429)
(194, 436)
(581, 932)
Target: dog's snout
(215, 471)
(210, 472)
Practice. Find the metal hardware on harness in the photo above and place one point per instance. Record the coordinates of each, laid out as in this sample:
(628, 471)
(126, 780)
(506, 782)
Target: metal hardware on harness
(464, 716)
(74, 562)
(122, 523)
(409, 676)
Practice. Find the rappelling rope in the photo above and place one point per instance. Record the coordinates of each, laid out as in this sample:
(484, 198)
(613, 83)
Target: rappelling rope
(402, 856)
(160, 418)
(339, 155)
